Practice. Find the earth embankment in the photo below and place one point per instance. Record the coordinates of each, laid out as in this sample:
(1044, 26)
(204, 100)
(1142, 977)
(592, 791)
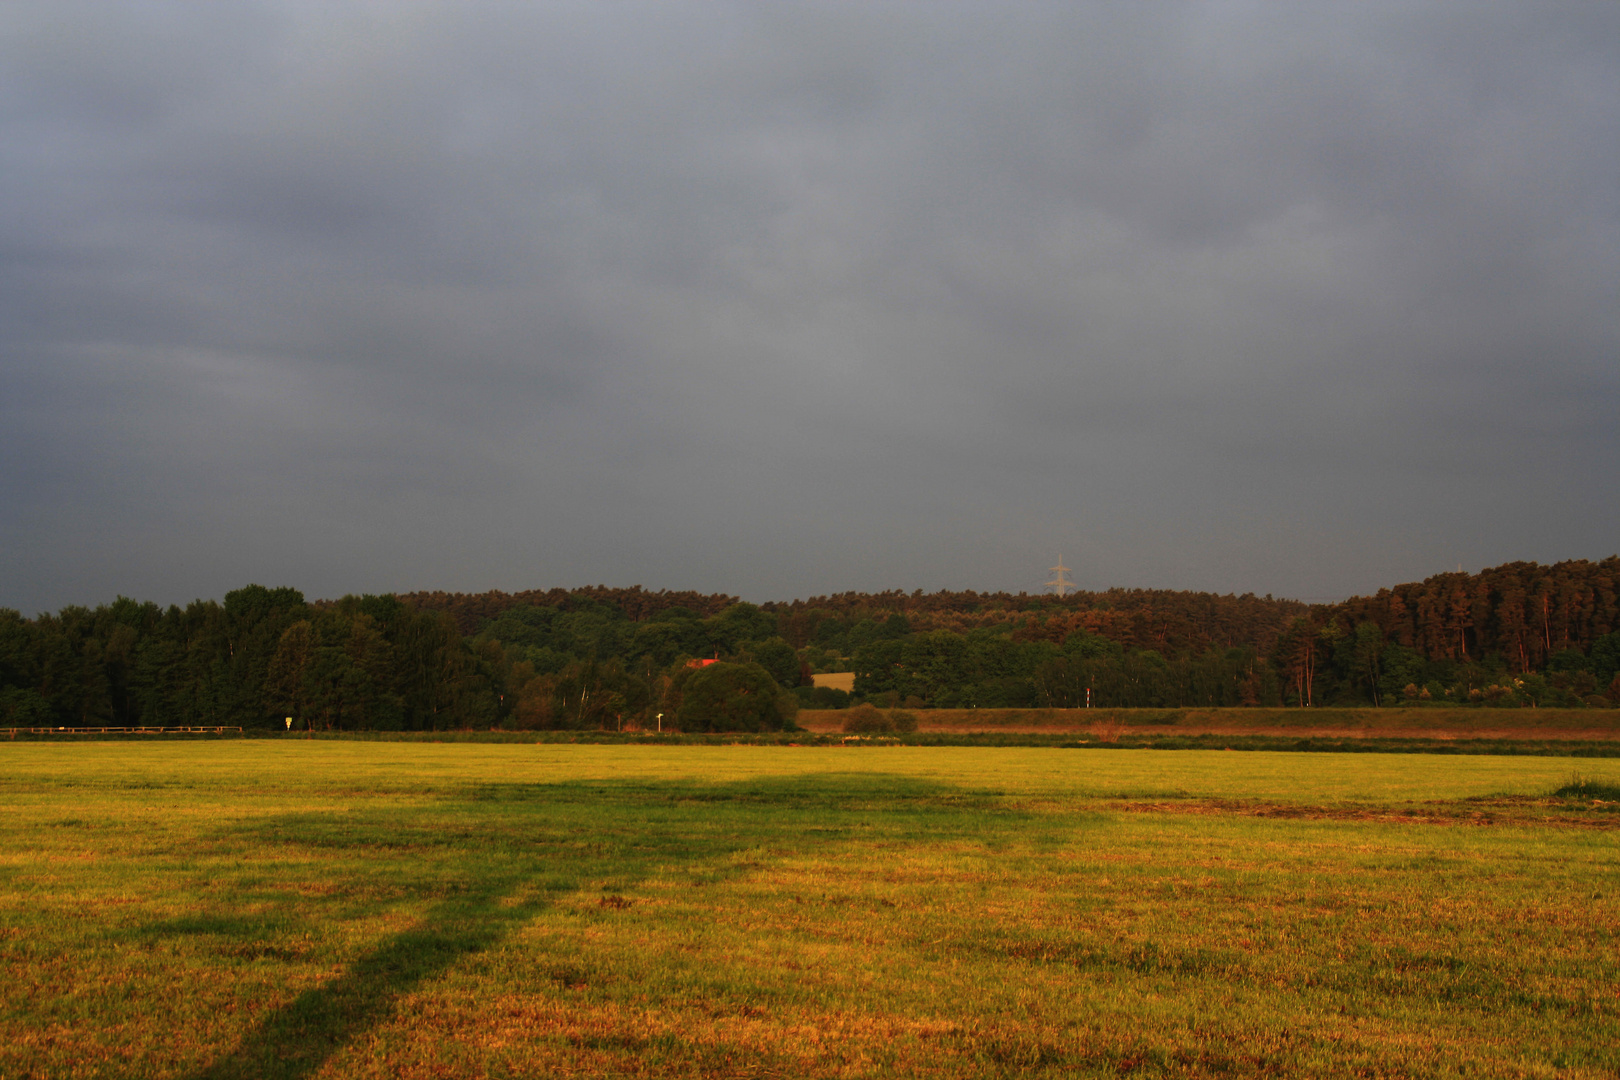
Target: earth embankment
(1431, 723)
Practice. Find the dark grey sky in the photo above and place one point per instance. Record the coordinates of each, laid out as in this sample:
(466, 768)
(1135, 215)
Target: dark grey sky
(779, 299)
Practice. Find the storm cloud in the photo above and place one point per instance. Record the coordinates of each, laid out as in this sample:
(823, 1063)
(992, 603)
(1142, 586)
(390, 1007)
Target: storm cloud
(781, 299)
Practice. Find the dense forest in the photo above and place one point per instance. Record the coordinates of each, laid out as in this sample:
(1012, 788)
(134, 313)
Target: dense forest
(1520, 634)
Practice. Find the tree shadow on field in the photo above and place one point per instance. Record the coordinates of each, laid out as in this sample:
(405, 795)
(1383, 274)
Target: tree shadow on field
(299, 1037)
(500, 854)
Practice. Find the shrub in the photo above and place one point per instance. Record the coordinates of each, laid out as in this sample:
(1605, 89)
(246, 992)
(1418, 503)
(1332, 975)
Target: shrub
(867, 720)
(904, 722)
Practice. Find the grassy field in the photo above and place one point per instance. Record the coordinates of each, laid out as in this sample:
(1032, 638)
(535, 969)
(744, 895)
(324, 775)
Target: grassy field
(304, 909)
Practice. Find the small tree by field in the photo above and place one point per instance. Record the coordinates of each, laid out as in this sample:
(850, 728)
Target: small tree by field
(735, 697)
(869, 720)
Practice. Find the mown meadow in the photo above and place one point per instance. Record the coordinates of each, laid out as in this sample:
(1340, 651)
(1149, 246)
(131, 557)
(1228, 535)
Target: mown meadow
(322, 908)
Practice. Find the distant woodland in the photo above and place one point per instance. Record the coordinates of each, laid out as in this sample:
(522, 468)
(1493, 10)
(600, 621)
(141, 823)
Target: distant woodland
(1520, 634)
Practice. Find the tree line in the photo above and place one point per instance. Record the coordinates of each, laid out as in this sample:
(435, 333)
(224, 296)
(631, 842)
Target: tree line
(1518, 634)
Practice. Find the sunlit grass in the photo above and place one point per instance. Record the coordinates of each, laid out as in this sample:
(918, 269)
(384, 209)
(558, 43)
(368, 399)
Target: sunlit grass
(347, 909)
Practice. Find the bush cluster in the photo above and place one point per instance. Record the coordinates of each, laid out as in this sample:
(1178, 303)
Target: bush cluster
(870, 720)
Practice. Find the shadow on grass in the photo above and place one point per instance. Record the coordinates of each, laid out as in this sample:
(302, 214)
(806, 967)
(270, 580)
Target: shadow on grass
(299, 1037)
(492, 842)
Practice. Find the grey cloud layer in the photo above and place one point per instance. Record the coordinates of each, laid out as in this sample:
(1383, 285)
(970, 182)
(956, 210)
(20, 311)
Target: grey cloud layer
(780, 299)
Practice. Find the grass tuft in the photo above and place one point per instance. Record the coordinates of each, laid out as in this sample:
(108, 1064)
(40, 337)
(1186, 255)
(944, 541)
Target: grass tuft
(1599, 790)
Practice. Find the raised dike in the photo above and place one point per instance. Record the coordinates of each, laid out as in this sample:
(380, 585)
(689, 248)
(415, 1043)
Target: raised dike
(1396, 722)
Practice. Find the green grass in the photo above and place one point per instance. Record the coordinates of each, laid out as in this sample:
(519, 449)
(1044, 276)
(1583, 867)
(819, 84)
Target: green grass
(1584, 788)
(323, 908)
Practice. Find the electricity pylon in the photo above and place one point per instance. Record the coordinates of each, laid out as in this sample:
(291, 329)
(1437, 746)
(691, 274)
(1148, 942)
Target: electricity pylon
(1060, 582)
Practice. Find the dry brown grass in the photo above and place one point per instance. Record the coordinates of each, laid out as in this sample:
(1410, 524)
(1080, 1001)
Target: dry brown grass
(1438, 723)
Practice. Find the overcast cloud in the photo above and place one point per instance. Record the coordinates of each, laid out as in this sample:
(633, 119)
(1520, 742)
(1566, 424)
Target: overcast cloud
(779, 299)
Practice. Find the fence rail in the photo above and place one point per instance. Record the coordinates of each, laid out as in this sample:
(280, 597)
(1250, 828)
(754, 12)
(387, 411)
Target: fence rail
(210, 730)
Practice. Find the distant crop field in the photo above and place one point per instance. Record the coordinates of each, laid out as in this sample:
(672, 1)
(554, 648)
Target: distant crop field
(1451, 723)
(327, 909)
